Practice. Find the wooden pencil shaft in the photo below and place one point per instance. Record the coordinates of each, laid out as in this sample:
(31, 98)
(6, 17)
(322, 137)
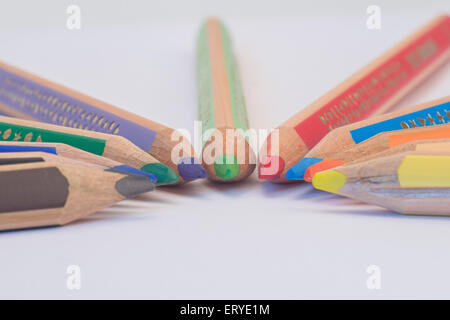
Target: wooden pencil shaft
(17, 157)
(372, 90)
(221, 106)
(419, 145)
(45, 194)
(111, 146)
(30, 97)
(64, 150)
(382, 142)
(413, 182)
(424, 116)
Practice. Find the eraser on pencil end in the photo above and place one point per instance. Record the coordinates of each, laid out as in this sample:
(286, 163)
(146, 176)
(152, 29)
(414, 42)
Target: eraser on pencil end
(297, 171)
(270, 167)
(330, 181)
(321, 166)
(190, 169)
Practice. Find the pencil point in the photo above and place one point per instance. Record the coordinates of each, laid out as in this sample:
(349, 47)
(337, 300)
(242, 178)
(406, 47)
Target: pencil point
(330, 181)
(190, 169)
(297, 171)
(270, 167)
(131, 170)
(226, 166)
(131, 186)
(163, 173)
(321, 166)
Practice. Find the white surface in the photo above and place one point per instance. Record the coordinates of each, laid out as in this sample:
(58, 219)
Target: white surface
(248, 240)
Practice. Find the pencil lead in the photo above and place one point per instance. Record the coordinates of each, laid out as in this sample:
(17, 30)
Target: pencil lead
(297, 171)
(270, 167)
(163, 173)
(190, 169)
(330, 181)
(131, 170)
(226, 166)
(322, 166)
(131, 186)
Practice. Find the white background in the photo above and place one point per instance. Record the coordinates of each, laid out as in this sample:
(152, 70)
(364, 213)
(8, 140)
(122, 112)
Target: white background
(203, 240)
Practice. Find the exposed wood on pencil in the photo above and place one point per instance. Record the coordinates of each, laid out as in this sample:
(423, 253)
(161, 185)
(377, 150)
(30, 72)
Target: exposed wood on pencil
(412, 182)
(107, 145)
(45, 194)
(28, 96)
(227, 155)
(372, 90)
(423, 116)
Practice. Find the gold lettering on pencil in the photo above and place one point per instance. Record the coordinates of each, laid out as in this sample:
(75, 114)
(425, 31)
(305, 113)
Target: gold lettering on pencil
(413, 124)
(100, 120)
(7, 134)
(28, 137)
(39, 139)
(430, 119)
(440, 118)
(322, 119)
(111, 126)
(17, 136)
(116, 131)
(94, 120)
(422, 54)
(421, 121)
(88, 117)
(404, 125)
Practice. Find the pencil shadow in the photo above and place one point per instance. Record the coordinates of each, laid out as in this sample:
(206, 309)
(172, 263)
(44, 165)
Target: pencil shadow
(190, 189)
(233, 189)
(307, 192)
(152, 197)
(271, 189)
(384, 213)
(28, 230)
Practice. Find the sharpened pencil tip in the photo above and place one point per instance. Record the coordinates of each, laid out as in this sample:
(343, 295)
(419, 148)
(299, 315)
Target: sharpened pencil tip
(131, 170)
(322, 166)
(330, 181)
(297, 171)
(190, 169)
(270, 167)
(226, 166)
(131, 186)
(163, 173)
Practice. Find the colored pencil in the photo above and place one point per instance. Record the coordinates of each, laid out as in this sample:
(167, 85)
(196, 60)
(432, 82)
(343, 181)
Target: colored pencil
(343, 138)
(410, 183)
(28, 96)
(381, 144)
(227, 155)
(110, 146)
(44, 194)
(372, 90)
(68, 152)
